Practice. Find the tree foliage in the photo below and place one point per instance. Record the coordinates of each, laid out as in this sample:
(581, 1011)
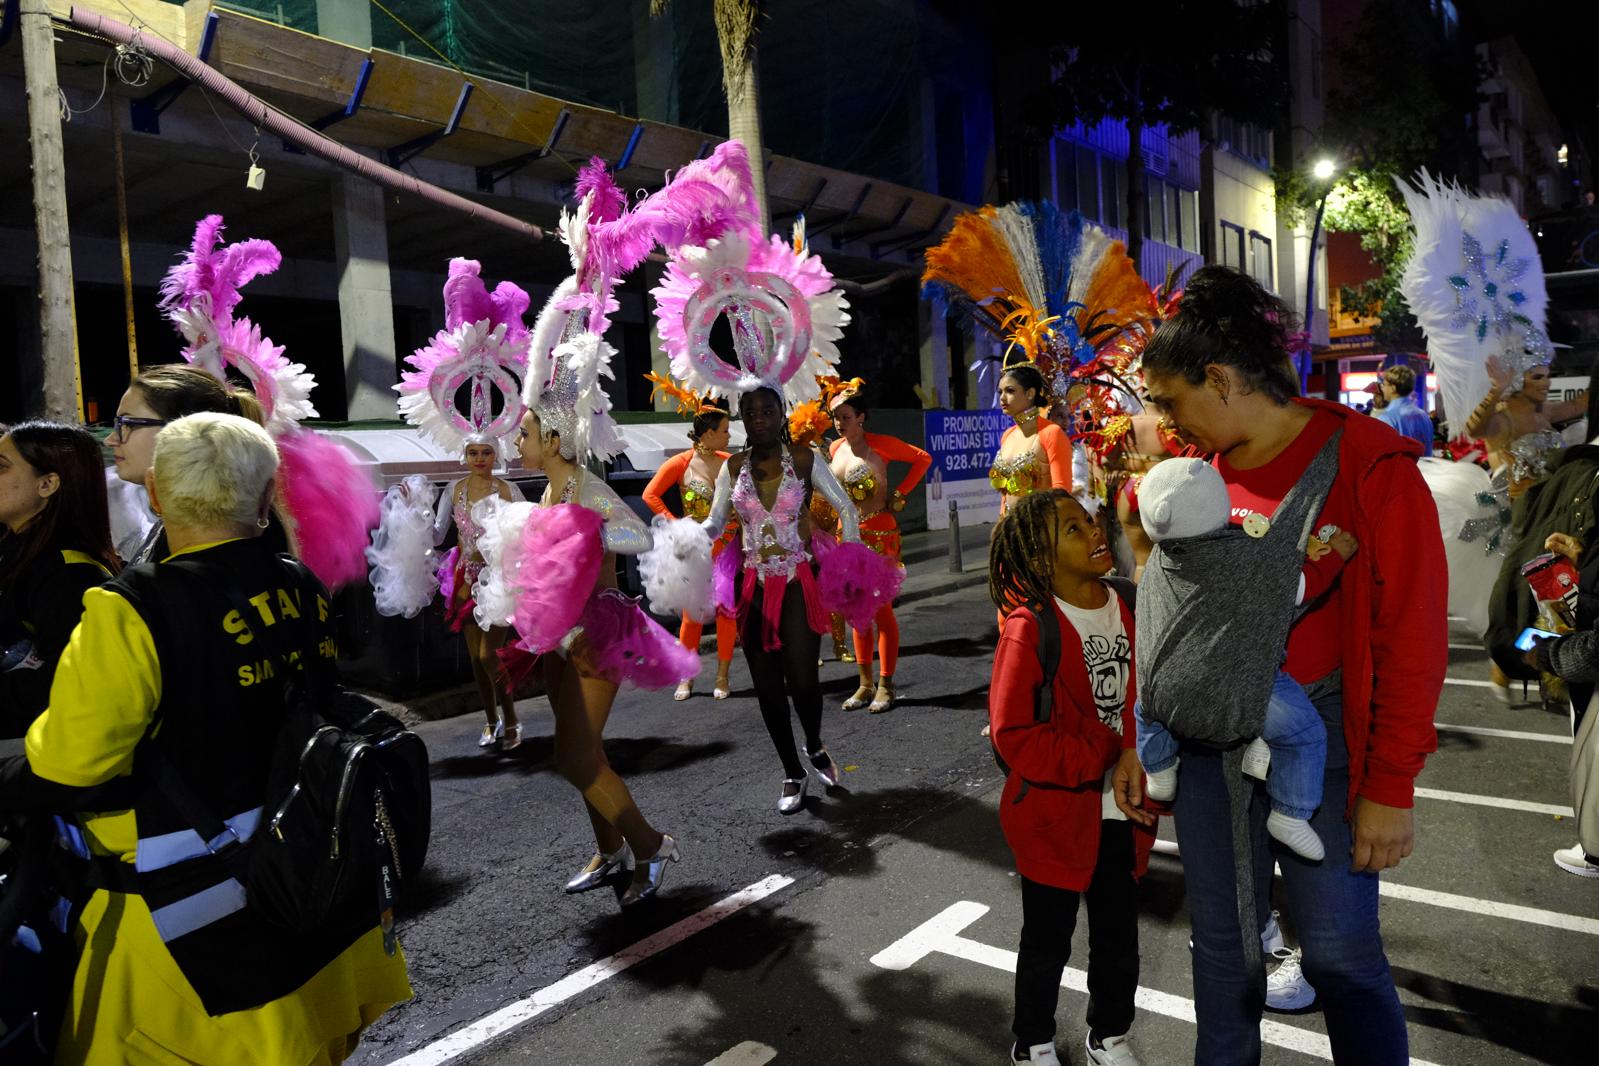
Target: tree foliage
(1400, 103)
(1171, 64)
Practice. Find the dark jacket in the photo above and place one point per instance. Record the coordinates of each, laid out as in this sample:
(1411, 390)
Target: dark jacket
(38, 613)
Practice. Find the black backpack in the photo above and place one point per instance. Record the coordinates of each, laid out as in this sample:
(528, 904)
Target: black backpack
(347, 813)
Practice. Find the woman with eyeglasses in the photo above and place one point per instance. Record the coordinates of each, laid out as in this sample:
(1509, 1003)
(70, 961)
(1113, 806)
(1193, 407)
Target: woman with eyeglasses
(162, 394)
(55, 544)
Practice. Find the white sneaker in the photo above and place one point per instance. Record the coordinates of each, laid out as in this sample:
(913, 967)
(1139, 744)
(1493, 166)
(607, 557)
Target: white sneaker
(1042, 1054)
(1296, 834)
(1271, 937)
(1115, 1051)
(1574, 860)
(1286, 986)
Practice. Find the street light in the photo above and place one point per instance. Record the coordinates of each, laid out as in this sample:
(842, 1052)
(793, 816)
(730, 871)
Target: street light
(1323, 171)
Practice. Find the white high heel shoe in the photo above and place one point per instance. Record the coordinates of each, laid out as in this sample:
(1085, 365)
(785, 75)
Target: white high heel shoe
(789, 802)
(600, 869)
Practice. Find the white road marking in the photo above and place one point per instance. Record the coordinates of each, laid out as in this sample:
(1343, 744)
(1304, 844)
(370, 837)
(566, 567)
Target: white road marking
(1464, 647)
(1468, 683)
(1531, 915)
(1495, 801)
(510, 1017)
(1512, 734)
(749, 1053)
(941, 933)
(1166, 847)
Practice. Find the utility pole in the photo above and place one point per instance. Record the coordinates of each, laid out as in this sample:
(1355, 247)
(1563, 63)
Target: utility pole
(62, 394)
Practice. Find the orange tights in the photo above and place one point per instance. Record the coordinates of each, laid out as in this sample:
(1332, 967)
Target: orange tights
(689, 635)
(887, 627)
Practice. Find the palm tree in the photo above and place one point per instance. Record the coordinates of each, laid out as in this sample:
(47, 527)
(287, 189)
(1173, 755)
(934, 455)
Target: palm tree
(736, 26)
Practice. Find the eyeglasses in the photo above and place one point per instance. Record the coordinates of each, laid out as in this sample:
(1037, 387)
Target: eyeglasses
(123, 425)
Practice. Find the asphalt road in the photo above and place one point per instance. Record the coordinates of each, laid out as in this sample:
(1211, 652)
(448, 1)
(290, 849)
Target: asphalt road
(878, 925)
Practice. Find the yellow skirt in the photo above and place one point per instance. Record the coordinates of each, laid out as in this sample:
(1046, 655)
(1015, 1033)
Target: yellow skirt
(132, 1006)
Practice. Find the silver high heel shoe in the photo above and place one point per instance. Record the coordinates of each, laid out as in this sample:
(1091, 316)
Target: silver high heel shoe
(824, 766)
(789, 802)
(653, 872)
(599, 870)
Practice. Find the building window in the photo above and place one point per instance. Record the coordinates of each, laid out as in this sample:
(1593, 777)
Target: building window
(1232, 246)
(1088, 184)
(1112, 192)
(1260, 264)
(1190, 200)
(1155, 208)
(1065, 175)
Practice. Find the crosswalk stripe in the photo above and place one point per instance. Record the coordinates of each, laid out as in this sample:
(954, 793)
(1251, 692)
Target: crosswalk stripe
(1495, 801)
(1575, 923)
(942, 933)
(1510, 734)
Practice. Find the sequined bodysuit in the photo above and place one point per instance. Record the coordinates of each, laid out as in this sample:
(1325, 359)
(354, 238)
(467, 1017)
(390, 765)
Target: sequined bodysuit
(1529, 457)
(772, 543)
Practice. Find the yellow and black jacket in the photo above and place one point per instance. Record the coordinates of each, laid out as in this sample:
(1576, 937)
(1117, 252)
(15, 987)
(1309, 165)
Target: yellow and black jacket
(164, 658)
(38, 612)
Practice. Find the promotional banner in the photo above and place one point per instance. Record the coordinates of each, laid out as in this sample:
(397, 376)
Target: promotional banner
(963, 445)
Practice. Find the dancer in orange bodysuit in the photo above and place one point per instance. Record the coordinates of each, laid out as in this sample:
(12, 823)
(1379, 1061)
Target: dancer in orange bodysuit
(694, 472)
(860, 462)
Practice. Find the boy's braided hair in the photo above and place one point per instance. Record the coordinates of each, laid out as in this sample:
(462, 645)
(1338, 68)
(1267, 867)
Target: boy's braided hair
(1021, 555)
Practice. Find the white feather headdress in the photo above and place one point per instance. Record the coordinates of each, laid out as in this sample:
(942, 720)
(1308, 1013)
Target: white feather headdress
(1476, 286)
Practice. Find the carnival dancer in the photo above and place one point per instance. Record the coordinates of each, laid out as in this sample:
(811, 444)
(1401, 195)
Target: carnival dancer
(786, 315)
(860, 462)
(693, 473)
(326, 503)
(808, 425)
(1055, 288)
(1476, 287)
(550, 568)
(484, 346)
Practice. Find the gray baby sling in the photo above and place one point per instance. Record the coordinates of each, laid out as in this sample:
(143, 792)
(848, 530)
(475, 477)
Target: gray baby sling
(1213, 618)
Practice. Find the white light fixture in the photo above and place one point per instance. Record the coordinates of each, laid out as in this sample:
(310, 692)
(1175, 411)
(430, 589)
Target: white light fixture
(1563, 155)
(1324, 169)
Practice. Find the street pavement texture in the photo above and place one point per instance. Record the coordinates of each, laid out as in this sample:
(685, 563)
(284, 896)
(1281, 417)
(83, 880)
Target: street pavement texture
(879, 925)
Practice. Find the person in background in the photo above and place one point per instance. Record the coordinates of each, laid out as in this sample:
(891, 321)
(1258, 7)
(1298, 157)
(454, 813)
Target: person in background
(55, 545)
(693, 474)
(163, 643)
(860, 463)
(1399, 409)
(1034, 454)
(159, 395)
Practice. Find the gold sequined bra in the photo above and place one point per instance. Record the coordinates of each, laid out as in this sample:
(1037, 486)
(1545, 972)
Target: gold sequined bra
(860, 482)
(697, 496)
(1018, 475)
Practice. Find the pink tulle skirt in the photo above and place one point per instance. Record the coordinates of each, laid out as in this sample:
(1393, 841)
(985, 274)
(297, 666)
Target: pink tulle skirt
(559, 552)
(628, 646)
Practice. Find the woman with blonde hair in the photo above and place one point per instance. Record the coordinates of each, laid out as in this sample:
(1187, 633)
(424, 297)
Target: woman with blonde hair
(164, 644)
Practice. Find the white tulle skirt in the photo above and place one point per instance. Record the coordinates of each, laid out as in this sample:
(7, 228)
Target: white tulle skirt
(1474, 515)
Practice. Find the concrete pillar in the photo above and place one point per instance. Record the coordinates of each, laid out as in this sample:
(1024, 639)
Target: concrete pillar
(346, 21)
(934, 332)
(366, 306)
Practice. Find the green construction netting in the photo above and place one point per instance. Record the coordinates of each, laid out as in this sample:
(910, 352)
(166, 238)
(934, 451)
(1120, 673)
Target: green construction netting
(842, 81)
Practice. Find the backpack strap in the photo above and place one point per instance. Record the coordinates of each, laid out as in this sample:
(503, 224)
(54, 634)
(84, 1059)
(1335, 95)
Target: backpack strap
(1048, 659)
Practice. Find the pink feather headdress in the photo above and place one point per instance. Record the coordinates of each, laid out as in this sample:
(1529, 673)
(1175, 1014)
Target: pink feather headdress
(484, 343)
(199, 295)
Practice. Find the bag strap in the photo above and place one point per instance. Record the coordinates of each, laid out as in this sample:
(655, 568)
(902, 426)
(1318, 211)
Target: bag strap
(1048, 659)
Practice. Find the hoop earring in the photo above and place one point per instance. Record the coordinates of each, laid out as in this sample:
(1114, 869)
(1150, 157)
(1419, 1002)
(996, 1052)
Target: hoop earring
(262, 523)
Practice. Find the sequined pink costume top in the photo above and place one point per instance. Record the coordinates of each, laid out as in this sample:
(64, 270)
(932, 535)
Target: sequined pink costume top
(772, 541)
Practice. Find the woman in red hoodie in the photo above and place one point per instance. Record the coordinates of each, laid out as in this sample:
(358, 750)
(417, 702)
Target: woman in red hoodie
(1370, 654)
(1059, 737)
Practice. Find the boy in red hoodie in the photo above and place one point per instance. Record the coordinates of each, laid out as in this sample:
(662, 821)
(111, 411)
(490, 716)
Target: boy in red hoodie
(1057, 813)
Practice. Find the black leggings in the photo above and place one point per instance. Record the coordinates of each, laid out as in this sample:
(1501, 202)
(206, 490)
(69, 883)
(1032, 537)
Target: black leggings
(789, 673)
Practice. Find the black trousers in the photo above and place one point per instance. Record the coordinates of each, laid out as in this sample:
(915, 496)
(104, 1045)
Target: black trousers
(1049, 917)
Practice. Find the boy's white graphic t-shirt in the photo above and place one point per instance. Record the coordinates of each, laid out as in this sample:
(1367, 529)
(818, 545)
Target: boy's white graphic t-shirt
(1108, 655)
